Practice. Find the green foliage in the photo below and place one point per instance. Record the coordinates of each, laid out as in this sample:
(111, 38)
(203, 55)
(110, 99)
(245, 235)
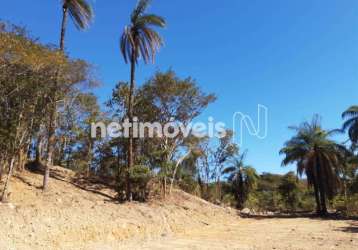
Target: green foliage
(188, 184)
(139, 177)
(243, 179)
(163, 98)
(351, 123)
(352, 205)
(318, 157)
(289, 191)
(80, 11)
(139, 39)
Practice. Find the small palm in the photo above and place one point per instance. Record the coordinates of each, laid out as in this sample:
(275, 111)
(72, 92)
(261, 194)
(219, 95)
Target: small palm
(244, 179)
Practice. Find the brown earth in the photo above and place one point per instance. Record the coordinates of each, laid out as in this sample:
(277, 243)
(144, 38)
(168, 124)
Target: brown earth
(83, 215)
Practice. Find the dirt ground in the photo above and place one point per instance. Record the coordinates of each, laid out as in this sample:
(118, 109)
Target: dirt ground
(75, 216)
(291, 233)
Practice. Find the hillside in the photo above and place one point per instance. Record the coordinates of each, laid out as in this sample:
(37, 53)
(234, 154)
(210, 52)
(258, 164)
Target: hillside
(84, 215)
(72, 215)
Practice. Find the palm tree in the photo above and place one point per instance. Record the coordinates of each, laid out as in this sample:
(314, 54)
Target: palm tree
(244, 179)
(351, 123)
(139, 39)
(81, 13)
(319, 157)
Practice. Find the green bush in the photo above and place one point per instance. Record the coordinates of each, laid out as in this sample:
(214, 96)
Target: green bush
(139, 177)
(349, 207)
(188, 184)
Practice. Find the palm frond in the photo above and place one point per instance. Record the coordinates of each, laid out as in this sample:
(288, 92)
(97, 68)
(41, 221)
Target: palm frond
(141, 7)
(229, 170)
(80, 11)
(350, 112)
(139, 39)
(152, 20)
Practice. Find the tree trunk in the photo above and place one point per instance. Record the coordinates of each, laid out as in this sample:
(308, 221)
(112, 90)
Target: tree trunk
(51, 128)
(345, 195)
(38, 151)
(321, 187)
(22, 159)
(165, 185)
(316, 194)
(2, 165)
(69, 157)
(89, 159)
(63, 27)
(50, 147)
(62, 150)
(241, 190)
(218, 188)
(176, 169)
(345, 190)
(1, 168)
(4, 197)
(130, 117)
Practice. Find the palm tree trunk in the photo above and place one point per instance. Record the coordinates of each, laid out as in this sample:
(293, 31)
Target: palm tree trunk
(316, 194)
(130, 117)
(321, 187)
(241, 191)
(63, 27)
(345, 188)
(51, 128)
(345, 194)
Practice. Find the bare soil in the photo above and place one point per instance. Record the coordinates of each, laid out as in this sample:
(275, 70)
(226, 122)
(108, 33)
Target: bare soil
(75, 215)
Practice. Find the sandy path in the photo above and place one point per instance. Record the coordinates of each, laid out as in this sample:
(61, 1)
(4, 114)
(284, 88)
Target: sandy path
(298, 233)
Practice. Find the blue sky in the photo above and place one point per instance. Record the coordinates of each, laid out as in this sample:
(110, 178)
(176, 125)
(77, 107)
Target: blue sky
(297, 57)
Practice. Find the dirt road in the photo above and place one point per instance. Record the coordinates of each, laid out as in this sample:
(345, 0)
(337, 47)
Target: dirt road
(297, 233)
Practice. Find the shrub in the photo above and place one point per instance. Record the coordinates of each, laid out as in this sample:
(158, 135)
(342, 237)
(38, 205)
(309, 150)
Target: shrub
(139, 177)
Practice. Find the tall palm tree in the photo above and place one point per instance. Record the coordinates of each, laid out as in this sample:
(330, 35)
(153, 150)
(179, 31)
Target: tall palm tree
(244, 179)
(319, 157)
(81, 13)
(139, 40)
(351, 123)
